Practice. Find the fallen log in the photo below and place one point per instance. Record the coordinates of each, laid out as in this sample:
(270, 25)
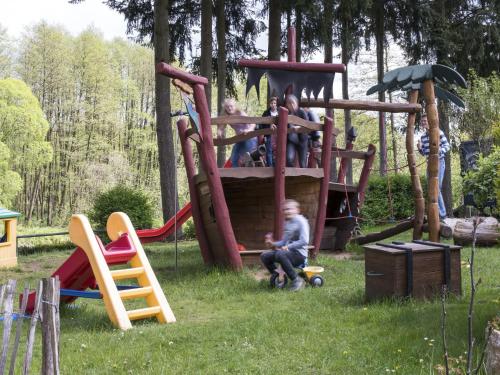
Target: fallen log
(487, 233)
(445, 231)
(386, 233)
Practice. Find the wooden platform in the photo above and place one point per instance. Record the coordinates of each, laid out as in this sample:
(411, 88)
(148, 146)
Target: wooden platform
(262, 172)
(249, 194)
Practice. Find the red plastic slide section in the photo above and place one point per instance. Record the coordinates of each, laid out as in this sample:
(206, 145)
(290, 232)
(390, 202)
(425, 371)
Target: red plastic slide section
(76, 272)
(159, 234)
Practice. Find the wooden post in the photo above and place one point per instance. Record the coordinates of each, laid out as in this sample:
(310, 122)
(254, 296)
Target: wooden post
(344, 161)
(31, 334)
(365, 173)
(209, 161)
(7, 321)
(412, 166)
(19, 327)
(326, 158)
(433, 160)
(187, 153)
(47, 356)
(279, 172)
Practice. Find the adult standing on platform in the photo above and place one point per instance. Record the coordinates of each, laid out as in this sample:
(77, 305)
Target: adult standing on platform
(424, 148)
(229, 108)
(296, 142)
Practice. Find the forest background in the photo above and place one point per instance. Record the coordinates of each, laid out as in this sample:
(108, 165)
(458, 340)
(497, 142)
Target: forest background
(88, 116)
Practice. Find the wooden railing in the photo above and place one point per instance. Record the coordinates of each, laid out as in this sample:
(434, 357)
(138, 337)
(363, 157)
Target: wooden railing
(302, 126)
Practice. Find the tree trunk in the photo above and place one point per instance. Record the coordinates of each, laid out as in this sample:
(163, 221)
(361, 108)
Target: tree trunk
(298, 28)
(379, 38)
(345, 95)
(274, 37)
(274, 41)
(446, 190)
(221, 69)
(418, 194)
(206, 48)
(393, 138)
(163, 129)
(328, 14)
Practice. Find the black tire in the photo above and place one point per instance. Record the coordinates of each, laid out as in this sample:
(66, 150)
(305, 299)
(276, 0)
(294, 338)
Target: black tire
(276, 282)
(316, 281)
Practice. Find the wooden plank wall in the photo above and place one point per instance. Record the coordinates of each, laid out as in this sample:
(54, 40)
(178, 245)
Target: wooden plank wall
(251, 207)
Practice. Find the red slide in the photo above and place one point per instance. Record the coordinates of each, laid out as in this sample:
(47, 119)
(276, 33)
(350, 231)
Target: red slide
(158, 234)
(76, 272)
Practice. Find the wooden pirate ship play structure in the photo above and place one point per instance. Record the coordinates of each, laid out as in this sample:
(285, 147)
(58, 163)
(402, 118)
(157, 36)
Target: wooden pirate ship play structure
(233, 208)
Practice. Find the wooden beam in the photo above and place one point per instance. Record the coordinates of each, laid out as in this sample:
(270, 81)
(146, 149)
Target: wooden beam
(207, 157)
(382, 235)
(326, 159)
(279, 173)
(255, 133)
(293, 66)
(182, 86)
(365, 173)
(192, 134)
(261, 173)
(170, 71)
(418, 195)
(337, 153)
(228, 120)
(361, 105)
(187, 153)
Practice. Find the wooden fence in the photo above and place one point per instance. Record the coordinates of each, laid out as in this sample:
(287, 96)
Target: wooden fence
(46, 312)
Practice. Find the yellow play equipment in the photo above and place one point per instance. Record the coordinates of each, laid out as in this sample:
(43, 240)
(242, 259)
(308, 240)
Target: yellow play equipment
(8, 238)
(118, 225)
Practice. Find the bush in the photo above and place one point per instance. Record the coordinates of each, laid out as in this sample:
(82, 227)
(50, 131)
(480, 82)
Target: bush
(376, 208)
(134, 203)
(484, 183)
(189, 231)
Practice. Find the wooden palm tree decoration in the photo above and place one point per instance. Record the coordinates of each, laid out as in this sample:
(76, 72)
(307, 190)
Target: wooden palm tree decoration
(416, 78)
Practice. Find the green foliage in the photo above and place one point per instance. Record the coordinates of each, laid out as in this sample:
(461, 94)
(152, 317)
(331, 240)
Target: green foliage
(188, 230)
(484, 183)
(482, 98)
(5, 53)
(134, 203)
(10, 181)
(23, 126)
(382, 192)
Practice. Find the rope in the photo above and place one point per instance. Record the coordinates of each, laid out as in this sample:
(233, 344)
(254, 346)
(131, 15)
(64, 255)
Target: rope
(399, 167)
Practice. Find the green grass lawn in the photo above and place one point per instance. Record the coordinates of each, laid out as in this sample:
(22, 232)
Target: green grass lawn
(234, 323)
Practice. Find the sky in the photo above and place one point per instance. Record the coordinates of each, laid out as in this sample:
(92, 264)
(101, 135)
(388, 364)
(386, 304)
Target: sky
(16, 15)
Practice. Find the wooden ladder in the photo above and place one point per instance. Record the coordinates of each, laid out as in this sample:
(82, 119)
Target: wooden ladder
(149, 288)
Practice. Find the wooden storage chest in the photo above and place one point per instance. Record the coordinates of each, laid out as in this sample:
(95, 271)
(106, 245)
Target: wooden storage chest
(417, 269)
